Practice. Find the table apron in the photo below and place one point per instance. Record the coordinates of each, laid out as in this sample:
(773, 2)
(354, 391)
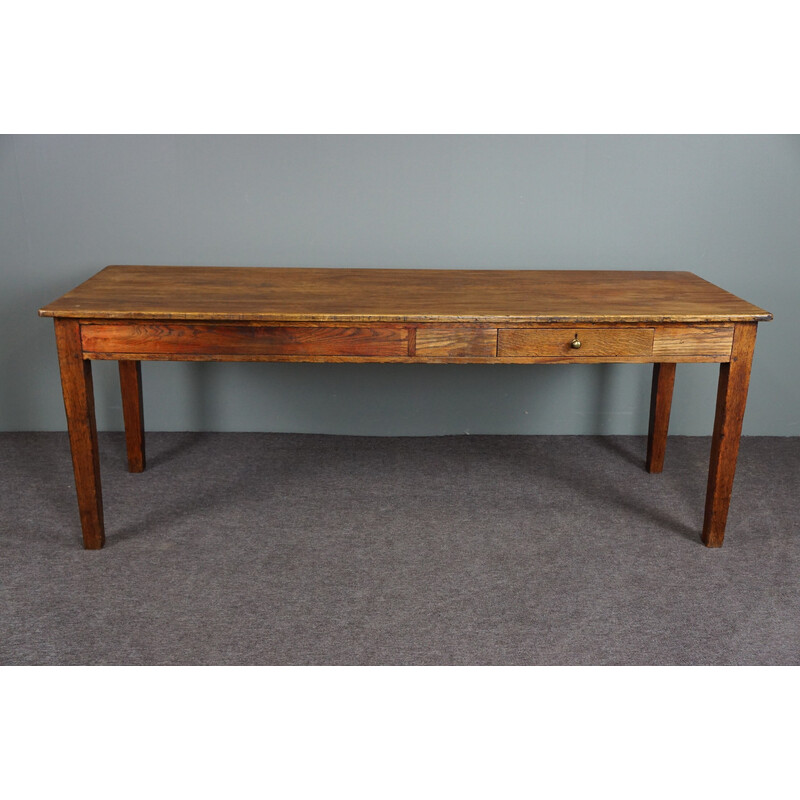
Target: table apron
(467, 342)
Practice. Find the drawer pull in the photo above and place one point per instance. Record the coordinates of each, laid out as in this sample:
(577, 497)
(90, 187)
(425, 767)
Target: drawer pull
(576, 342)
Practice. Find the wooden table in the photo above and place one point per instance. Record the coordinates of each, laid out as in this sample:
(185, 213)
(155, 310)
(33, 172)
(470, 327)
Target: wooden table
(135, 313)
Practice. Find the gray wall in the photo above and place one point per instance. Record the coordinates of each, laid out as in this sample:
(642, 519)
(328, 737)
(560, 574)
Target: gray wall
(725, 207)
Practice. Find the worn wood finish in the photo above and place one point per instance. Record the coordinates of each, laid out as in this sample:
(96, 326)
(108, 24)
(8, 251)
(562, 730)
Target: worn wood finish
(130, 381)
(734, 379)
(594, 342)
(660, 406)
(214, 339)
(456, 342)
(400, 295)
(76, 384)
(406, 316)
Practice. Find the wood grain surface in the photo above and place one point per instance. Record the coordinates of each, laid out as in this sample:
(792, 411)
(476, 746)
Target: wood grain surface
(456, 342)
(598, 342)
(215, 339)
(692, 340)
(400, 295)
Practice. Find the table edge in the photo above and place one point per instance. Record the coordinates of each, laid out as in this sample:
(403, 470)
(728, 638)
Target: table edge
(759, 316)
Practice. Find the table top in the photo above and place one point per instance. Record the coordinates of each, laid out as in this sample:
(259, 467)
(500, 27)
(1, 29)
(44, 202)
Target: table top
(400, 295)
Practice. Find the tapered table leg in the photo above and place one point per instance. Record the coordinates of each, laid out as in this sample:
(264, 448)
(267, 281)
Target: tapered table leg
(130, 381)
(76, 383)
(660, 406)
(734, 378)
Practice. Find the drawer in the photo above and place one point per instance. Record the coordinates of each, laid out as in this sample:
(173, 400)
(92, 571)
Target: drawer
(243, 340)
(595, 342)
(456, 342)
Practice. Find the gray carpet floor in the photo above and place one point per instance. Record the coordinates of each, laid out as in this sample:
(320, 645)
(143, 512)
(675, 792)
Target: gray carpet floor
(304, 549)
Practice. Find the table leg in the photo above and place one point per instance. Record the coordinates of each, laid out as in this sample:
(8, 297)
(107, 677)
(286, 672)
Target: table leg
(130, 381)
(76, 383)
(660, 406)
(734, 377)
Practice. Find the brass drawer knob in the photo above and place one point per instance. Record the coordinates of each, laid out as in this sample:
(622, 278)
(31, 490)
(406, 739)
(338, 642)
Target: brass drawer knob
(576, 342)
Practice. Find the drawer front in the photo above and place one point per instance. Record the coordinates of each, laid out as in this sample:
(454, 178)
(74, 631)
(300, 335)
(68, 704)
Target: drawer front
(456, 342)
(243, 340)
(557, 342)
